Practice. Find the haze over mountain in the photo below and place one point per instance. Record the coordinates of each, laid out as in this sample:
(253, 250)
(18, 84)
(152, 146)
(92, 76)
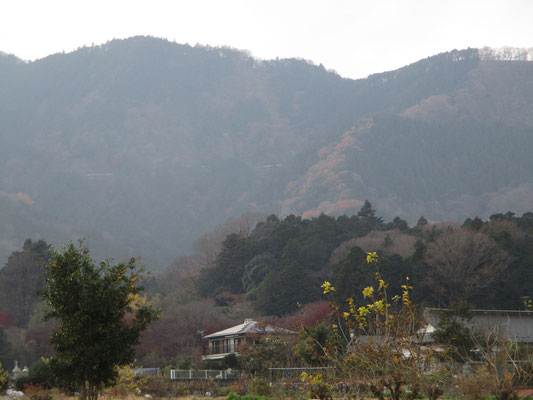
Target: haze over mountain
(143, 144)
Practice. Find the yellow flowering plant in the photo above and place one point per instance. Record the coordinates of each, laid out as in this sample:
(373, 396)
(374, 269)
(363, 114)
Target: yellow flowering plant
(382, 338)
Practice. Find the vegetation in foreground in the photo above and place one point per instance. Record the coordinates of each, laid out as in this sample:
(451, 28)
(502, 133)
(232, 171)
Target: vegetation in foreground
(253, 259)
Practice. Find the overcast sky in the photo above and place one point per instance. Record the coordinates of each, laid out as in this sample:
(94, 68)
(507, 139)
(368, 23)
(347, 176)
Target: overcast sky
(355, 38)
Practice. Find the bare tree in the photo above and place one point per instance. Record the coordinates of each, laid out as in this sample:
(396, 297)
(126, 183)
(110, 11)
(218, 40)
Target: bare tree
(461, 263)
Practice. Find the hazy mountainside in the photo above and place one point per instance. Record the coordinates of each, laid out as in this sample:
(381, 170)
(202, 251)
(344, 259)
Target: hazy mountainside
(142, 144)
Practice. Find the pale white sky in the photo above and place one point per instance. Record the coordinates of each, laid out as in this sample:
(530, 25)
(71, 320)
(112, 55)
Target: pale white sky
(355, 38)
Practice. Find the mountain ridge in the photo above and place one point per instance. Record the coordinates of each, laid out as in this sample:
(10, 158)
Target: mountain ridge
(146, 144)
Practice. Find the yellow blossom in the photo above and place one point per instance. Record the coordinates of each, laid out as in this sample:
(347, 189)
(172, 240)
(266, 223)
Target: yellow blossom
(371, 257)
(379, 305)
(363, 311)
(327, 287)
(368, 291)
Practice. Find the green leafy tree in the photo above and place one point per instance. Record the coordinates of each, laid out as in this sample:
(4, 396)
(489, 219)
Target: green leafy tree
(453, 333)
(313, 342)
(100, 317)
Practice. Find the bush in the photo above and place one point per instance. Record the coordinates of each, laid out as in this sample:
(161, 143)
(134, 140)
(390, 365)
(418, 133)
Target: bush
(259, 387)
(476, 386)
(21, 382)
(37, 392)
(159, 385)
(186, 363)
(226, 390)
(127, 383)
(316, 387)
(41, 374)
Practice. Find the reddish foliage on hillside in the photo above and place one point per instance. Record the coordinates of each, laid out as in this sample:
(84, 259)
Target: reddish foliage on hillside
(5, 320)
(311, 315)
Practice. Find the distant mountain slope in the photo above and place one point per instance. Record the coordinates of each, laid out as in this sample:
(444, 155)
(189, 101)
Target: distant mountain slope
(143, 144)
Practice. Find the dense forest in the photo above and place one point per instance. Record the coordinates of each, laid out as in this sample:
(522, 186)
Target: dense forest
(142, 144)
(269, 267)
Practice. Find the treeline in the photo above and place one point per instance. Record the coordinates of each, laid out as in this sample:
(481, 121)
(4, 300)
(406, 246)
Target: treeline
(281, 263)
(23, 334)
(259, 266)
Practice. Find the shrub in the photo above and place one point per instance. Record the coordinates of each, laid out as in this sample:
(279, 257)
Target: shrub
(21, 382)
(41, 374)
(186, 363)
(259, 387)
(158, 385)
(127, 383)
(316, 387)
(37, 392)
(476, 386)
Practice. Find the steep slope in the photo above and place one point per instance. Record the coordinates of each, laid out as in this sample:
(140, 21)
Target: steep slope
(460, 152)
(143, 144)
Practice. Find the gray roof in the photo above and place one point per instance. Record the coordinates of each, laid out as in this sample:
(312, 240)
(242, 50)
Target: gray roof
(249, 326)
(516, 325)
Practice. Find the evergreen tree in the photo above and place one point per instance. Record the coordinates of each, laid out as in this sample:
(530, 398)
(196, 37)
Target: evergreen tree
(422, 221)
(21, 279)
(100, 320)
(367, 211)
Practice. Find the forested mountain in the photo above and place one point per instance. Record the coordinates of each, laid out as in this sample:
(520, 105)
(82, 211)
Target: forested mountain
(143, 144)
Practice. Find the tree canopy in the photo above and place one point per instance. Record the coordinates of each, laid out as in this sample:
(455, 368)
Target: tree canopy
(100, 317)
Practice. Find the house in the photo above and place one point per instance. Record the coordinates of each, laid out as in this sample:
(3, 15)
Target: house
(228, 341)
(514, 325)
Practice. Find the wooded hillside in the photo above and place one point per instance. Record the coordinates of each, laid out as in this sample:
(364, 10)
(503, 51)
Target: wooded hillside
(143, 144)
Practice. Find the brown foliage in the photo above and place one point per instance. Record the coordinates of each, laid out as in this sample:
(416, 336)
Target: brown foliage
(311, 315)
(402, 244)
(179, 332)
(510, 227)
(461, 263)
